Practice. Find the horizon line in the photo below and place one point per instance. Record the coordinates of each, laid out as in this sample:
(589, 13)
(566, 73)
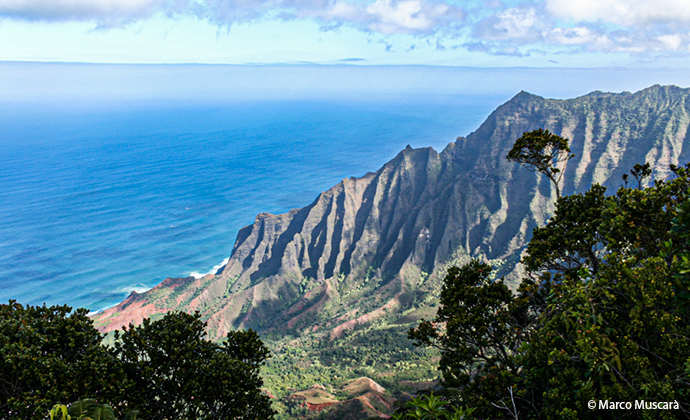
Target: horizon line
(351, 63)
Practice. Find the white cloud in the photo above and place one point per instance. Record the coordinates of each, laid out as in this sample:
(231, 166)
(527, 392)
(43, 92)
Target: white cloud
(621, 12)
(571, 26)
(340, 10)
(106, 12)
(670, 42)
(227, 12)
(561, 26)
(388, 16)
(514, 24)
(579, 35)
(381, 16)
(410, 16)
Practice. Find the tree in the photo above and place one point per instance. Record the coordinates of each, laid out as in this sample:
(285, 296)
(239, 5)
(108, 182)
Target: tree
(176, 373)
(50, 355)
(640, 172)
(573, 237)
(478, 310)
(165, 369)
(479, 328)
(542, 151)
(615, 326)
(603, 313)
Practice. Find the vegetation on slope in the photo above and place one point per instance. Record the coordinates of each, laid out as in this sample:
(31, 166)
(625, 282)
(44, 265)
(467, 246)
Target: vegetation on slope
(381, 352)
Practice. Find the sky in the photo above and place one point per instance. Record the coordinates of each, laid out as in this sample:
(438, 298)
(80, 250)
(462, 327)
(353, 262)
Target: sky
(493, 33)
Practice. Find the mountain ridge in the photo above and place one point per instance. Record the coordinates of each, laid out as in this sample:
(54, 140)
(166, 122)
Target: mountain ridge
(373, 247)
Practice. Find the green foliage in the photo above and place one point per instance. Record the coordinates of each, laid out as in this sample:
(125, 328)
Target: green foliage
(602, 315)
(59, 409)
(479, 328)
(542, 151)
(431, 407)
(176, 373)
(87, 409)
(619, 336)
(51, 354)
(426, 407)
(91, 409)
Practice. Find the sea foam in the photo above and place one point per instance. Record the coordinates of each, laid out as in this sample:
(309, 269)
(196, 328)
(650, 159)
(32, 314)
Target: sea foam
(215, 270)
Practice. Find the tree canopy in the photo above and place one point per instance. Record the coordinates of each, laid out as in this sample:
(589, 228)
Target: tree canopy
(542, 151)
(163, 369)
(178, 374)
(51, 354)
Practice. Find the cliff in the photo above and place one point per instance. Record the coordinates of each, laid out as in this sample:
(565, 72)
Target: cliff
(376, 247)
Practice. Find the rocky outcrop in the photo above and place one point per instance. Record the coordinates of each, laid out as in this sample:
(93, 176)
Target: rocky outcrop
(379, 244)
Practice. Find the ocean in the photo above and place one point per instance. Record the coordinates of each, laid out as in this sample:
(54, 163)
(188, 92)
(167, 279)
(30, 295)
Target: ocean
(98, 201)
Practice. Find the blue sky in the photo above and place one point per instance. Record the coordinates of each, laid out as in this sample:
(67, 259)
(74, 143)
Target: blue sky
(493, 33)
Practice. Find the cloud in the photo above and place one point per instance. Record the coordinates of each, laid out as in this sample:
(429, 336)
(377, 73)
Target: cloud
(670, 42)
(571, 26)
(385, 17)
(492, 48)
(578, 36)
(621, 12)
(388, 46)
(489, 27)
(515, 24)
(410, 16)
(634, 26)
(105, 12)
(236, 11)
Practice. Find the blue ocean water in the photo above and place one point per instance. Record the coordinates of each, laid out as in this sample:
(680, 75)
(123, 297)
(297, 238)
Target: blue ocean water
(97, 202)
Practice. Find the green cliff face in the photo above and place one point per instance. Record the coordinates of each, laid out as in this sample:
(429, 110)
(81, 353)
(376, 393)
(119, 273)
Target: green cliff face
(366, 258)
